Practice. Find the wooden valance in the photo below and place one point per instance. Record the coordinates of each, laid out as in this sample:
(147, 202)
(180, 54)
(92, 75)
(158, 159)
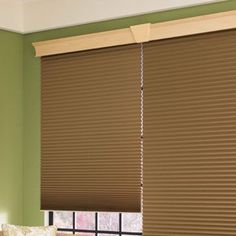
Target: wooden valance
(138, 33)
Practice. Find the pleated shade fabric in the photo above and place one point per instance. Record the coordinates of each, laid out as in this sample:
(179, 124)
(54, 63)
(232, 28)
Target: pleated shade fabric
(90, 130)
(190, 136)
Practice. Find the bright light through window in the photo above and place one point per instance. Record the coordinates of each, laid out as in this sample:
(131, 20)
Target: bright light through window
(97, 224)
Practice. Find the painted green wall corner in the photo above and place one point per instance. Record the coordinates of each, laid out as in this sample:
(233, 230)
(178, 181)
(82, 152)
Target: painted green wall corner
(31, 99)
(11, 119)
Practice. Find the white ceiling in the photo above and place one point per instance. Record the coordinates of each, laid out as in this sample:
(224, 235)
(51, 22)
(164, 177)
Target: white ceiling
(36, 15)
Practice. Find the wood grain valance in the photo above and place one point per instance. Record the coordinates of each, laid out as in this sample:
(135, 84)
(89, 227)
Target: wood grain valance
(138, 33)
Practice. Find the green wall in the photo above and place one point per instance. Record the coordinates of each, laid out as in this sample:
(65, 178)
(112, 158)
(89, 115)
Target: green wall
(11, 103)
(11, 119)
(31, 98)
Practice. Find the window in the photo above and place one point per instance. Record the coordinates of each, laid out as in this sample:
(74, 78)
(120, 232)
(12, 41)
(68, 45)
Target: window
(97, 223)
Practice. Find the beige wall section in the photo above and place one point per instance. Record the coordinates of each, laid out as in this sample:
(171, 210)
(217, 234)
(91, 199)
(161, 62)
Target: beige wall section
(11, 15)
(25, 16)
(138, 34)
(62, 13)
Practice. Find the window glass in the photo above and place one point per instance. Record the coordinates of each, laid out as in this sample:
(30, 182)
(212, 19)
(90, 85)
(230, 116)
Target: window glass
(85, 220)
(108, 221)
(65, 232)
(63, 219)
(107, 234)
(131, 222)
(86, 234)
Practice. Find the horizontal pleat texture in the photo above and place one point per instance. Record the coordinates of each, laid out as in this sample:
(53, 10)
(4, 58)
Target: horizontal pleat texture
(190, 136)
(90, 131)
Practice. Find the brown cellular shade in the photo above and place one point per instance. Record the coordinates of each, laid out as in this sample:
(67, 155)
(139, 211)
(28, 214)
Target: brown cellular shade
(190, 136)
(91, 130)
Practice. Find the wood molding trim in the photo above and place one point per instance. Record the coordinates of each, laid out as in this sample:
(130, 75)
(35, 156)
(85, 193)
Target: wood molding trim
(141, 33)
(138, 34)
